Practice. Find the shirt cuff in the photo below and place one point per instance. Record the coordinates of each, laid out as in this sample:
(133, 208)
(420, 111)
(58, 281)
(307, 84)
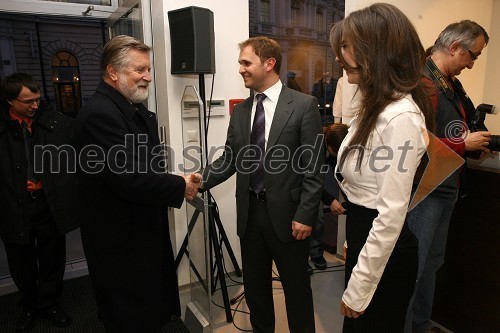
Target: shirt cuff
(358, 294)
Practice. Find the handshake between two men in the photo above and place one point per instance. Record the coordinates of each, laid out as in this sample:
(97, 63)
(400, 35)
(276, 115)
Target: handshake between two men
(193, 183)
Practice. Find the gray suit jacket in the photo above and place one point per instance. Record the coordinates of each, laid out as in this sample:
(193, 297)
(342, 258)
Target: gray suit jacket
(294, 156)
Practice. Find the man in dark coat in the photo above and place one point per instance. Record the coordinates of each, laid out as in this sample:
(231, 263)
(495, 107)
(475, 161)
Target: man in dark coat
(125, 192)
(38, 194)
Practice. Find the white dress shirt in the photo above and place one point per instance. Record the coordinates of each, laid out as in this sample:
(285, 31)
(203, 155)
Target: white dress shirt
(347, 101)
(382, 182)
(272, 95)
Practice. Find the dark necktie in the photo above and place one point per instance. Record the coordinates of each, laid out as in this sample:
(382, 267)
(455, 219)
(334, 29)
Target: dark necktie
(257, 139)
(28, 149)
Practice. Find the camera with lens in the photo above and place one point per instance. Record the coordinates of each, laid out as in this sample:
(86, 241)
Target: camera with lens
(477, 124)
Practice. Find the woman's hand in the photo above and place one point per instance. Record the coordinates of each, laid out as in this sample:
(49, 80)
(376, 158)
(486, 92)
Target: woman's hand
(336, 207)
(348, 312)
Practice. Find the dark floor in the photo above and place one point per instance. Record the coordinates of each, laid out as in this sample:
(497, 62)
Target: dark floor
(467, 294)
(78, 301)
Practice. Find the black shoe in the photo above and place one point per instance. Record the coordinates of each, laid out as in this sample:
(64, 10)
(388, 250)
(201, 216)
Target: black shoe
(25, 321)
(319, 263)
(310, 269)
(58, 317)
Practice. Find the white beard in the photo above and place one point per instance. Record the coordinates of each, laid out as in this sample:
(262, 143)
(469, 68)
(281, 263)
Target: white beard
(135, 94)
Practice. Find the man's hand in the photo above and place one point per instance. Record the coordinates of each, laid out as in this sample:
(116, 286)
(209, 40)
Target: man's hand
(477, 141)
(196, 178)
(193, 183)
(336, 207)
(348, 312)
(300, 231)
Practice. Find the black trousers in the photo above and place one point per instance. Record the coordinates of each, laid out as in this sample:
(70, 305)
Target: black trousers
(386, 312)
(259, 248)
(37, 268)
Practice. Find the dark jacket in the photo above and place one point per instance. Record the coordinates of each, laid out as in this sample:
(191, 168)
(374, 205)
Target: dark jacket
(60, 186)
(124, 225)
(449, 105)
(326, 197)
(293, 181)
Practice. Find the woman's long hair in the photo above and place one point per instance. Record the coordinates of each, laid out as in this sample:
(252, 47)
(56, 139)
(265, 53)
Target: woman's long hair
(390, 60)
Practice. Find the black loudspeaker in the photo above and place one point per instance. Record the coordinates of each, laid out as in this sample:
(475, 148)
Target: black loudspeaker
(192, 40)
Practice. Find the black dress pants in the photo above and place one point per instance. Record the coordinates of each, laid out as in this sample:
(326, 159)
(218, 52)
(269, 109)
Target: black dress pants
(37, 268)
(259, 248)
(386, 312)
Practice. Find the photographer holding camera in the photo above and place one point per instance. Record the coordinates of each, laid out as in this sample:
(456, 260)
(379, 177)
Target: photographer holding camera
(457, 47)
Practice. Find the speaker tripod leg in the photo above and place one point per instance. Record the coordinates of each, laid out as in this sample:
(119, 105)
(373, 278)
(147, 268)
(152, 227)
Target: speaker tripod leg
(183, 249)
(220, 268)
(225, 240)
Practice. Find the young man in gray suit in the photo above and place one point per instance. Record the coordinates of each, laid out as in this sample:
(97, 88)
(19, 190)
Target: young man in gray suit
(274, 145)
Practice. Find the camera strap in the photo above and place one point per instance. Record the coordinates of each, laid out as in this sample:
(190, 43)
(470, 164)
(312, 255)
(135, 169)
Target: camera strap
(439, 78)
(448, 90)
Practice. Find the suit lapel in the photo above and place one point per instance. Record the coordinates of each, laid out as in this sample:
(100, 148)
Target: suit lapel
(282, 113)
(246, 117)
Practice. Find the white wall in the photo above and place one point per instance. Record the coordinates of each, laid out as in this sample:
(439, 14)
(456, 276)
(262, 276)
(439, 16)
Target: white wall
(231, 27)
(492, 78)
(482, 83)
(430, 17)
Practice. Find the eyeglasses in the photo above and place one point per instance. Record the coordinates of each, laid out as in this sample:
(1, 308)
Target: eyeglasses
(30, 101)
(473, 56)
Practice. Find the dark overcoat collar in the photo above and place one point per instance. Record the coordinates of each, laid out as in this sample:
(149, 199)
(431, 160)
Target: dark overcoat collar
(131, 110)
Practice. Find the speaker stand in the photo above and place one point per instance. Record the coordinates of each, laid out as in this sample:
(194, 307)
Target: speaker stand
(215, 228)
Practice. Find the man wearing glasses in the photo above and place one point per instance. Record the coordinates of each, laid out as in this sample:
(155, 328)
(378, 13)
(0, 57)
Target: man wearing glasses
(457, 47)
(38, 196)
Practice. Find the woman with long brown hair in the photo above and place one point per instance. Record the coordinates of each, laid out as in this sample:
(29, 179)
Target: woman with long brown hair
(381, 52)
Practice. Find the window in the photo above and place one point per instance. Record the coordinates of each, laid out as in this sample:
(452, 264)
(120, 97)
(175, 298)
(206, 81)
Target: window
(66, 80)
(303, 34)
(295, 14)
(320, 27)
(265, 11)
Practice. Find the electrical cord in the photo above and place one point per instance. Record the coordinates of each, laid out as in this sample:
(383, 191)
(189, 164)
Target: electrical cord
(275, 278)
(210, 103)
(236, 310)
(330, 271)
(234, 324)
